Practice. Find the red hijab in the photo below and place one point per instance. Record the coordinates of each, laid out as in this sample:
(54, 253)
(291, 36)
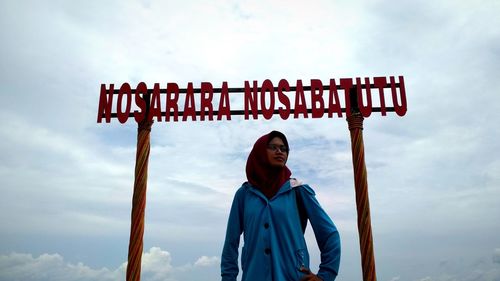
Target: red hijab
(260, 173)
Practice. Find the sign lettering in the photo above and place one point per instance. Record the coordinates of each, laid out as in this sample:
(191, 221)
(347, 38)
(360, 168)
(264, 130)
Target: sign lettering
(207, 103)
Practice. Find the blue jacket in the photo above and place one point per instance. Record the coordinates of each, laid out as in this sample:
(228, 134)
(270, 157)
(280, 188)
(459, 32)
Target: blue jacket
(274, 246)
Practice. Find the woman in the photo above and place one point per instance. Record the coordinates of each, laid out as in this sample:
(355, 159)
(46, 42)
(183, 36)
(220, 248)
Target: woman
(267, 210)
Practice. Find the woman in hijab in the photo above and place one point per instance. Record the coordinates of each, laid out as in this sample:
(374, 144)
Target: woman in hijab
(270, 210)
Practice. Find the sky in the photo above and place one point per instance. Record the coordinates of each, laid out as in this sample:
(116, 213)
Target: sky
(66, 182)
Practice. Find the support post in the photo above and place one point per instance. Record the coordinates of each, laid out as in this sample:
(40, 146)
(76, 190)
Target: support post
(355, 122)
(139, 198)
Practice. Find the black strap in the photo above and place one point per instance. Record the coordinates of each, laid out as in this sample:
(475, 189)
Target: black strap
(301, 209)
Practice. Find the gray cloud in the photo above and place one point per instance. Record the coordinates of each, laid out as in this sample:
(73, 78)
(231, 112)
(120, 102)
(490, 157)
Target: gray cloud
(496, 255)
(433, 175)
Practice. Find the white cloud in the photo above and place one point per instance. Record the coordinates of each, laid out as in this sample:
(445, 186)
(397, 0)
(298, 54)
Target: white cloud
(48, 267)
(207, 261)
(156, 266)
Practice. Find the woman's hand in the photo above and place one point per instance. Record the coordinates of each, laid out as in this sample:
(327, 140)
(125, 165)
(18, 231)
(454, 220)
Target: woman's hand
(309, 275)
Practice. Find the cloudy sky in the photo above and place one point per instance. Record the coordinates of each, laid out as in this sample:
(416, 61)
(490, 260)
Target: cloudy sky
(66, 182)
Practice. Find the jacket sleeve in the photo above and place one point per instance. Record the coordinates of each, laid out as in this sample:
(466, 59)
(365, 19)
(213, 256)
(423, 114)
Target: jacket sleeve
(229, 259)
(326, 233)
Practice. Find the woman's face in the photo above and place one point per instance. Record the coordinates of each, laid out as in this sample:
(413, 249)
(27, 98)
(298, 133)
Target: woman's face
(277, 152)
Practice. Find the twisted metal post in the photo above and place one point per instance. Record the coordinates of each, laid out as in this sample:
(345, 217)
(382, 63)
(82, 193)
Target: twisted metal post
(355, 122)
(139, 199)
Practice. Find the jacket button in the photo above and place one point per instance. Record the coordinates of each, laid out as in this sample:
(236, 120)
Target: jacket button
(267, 251)
(266, 225)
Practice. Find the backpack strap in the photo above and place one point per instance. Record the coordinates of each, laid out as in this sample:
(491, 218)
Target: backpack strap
(301, 209)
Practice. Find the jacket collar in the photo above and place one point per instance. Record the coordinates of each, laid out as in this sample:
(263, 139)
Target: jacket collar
(287, 186)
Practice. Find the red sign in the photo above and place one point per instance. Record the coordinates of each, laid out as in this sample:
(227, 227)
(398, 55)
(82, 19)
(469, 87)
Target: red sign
(269, 100)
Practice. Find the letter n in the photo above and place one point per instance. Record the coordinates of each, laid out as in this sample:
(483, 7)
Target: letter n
(251, 100)
(105, 103)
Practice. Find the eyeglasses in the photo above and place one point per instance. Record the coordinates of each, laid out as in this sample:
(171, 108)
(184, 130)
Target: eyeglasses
(275, 148)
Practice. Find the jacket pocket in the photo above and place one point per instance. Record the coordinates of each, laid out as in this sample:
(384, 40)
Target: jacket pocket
(302, 259)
